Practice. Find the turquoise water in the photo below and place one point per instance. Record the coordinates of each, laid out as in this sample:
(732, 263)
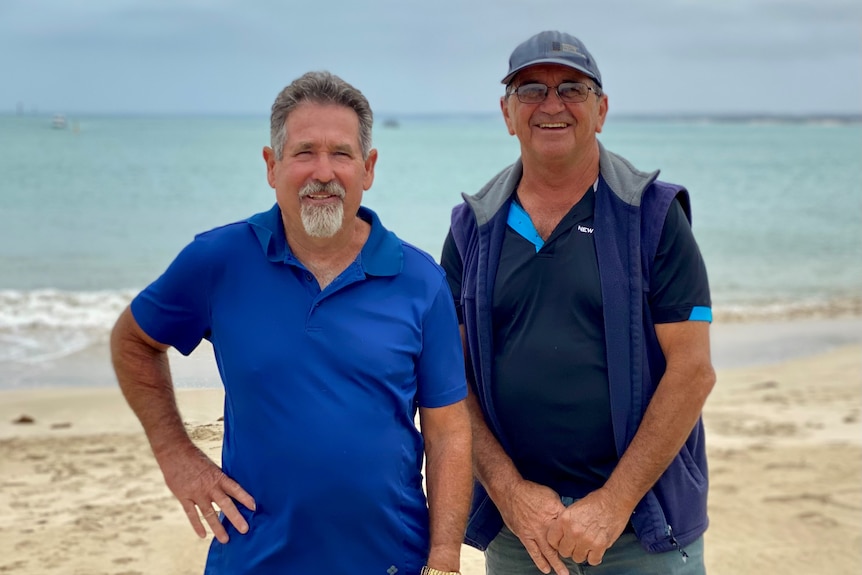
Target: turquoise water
(91, 213)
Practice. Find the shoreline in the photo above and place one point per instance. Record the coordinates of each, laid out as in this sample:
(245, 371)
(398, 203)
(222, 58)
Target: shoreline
(734, 343)
(783, 432)
(44, 325)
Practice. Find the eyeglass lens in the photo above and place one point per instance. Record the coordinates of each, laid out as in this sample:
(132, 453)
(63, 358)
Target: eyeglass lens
(534, 93)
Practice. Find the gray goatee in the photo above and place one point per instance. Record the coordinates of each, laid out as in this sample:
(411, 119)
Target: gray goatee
(322, 221)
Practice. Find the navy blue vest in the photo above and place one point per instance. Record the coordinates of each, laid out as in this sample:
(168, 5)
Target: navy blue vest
(630, 211)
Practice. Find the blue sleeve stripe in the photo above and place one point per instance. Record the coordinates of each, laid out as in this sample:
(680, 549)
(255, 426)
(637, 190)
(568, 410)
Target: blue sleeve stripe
(700, 313)
(519, 220)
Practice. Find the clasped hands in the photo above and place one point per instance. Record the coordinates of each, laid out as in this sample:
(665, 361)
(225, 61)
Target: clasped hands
(549, 530)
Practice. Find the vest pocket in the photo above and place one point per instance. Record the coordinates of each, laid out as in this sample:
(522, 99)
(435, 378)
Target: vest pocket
(691, 468)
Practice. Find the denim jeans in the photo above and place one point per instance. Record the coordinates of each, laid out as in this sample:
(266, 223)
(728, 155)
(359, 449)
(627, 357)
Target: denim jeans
(507, 556)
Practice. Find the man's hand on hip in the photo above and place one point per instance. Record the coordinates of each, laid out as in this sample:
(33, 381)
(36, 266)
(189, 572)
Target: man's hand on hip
(198, 483)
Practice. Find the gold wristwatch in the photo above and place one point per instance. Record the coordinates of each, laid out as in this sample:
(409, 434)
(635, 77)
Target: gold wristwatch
(431, 571)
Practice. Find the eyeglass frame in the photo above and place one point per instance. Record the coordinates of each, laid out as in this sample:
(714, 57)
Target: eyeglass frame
(511, 90)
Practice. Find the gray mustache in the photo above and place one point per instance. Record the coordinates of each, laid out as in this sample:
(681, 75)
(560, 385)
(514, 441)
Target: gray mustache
(315, 187)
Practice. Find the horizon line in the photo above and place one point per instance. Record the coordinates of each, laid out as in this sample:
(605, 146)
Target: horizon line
(388, 116)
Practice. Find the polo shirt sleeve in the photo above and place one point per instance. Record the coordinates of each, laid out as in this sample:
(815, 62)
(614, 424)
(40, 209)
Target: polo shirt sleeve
(679, 289)
(174, 309)
(451, 262)
(440, 367)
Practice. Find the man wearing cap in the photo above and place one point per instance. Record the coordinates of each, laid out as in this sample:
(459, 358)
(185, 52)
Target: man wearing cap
(585, 311)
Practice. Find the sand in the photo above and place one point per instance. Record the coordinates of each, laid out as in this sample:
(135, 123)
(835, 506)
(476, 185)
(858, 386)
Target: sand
(80, 492)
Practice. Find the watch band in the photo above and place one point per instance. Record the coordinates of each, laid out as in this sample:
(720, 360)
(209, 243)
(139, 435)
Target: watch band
(431, 571)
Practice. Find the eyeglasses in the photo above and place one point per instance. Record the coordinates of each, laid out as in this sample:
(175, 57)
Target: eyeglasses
(535, 93)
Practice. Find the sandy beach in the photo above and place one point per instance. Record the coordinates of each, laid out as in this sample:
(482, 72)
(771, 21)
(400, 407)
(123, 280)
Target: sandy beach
(80, 492)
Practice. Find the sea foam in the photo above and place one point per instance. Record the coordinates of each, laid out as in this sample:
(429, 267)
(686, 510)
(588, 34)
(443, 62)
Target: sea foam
(42, 325)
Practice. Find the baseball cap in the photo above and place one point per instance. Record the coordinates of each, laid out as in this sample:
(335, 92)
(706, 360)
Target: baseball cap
(552, 47)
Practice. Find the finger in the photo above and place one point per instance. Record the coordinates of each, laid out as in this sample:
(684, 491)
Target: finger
(211, 517)
(555, 535)
(536, 555)
(236, 491)
(566, 545)
(192, 514)
(228, 507)
(579, 555)
(553, 558)
(595, 557)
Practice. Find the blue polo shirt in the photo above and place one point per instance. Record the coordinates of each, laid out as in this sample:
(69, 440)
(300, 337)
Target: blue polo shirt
(321, 390)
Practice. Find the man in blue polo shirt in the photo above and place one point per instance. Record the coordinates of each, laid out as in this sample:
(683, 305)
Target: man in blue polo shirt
(585, 310)
(329, 332)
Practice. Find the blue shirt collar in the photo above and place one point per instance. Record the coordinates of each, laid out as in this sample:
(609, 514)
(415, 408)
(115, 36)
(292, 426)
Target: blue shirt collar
(382, 254)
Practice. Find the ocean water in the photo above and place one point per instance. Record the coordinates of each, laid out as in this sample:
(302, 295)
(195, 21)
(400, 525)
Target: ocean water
(91, 213)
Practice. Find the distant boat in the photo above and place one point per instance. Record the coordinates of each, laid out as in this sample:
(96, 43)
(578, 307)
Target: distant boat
(59, 122)
(390, 123)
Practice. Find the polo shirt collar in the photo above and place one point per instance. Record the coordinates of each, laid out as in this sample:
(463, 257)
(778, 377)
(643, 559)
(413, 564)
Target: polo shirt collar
(382, 254)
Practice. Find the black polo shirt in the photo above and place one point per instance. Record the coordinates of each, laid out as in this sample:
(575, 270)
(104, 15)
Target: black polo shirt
(550, 384)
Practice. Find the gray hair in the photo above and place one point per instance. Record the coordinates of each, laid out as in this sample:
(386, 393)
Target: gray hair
(319, 88)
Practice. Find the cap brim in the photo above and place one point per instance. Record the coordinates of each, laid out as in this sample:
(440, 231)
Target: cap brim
(559, 61)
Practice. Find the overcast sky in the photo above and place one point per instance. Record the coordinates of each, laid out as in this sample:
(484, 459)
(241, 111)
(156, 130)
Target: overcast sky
(233, 56)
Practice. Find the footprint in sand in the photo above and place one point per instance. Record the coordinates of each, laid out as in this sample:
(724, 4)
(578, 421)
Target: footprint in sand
(22, 545)
(136, 543)
(728, 489)
(99, 450)
(818, 519)
(787, 465)
(206, 432)
(764, 385)
(87, 524)
(776, 399)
